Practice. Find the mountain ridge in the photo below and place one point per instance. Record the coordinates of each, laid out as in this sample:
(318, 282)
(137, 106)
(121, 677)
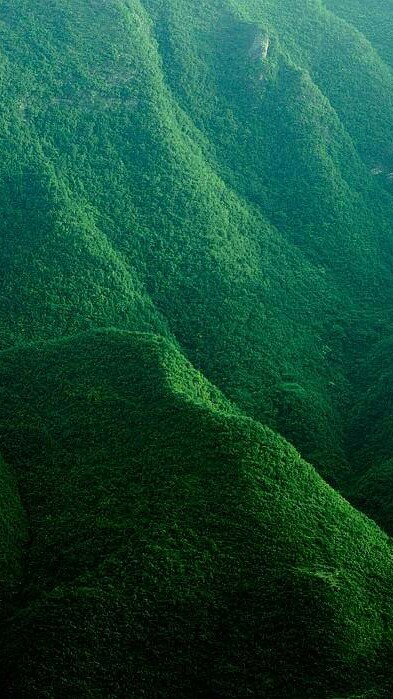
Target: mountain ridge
(131, 512)
(215, 222)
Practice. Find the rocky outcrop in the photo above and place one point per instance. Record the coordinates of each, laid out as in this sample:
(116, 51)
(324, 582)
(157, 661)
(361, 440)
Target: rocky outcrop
(260, 47)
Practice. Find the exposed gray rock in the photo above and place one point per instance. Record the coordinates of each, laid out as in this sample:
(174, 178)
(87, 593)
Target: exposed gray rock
(260, 47)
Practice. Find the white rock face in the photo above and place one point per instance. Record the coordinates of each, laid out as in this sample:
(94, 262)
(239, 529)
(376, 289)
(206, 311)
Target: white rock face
(260, 47)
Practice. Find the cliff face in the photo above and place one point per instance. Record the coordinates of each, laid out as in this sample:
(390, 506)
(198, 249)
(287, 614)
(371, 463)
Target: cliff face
(260, 47)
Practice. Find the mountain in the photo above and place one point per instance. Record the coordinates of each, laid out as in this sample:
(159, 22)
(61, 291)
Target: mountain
(196, 309)
(371, 483)
(159, 177)
(176, 546)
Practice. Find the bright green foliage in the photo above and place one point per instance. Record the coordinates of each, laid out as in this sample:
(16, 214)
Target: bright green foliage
(158, 177)
(207, 182)
(178, 548)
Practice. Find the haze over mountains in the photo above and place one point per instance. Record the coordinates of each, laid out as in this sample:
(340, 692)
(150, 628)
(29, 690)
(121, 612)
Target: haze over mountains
(195, 348)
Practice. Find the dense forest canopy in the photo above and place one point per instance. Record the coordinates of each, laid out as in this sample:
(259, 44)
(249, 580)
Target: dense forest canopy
(196, 332)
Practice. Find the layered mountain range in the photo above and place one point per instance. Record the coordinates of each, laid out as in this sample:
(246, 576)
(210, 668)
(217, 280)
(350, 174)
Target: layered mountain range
(196, 327)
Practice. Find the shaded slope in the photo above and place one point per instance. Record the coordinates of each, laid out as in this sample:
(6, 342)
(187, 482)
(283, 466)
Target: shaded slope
(177, 547)
(13, 536)
(372, 492)
(374, 20)
(371, 437)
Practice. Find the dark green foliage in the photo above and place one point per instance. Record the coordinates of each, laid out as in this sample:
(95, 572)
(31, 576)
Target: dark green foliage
(373, 493)
(371, 437)
(178, 548)
(208, 182)
(13, 536)
(158, 177)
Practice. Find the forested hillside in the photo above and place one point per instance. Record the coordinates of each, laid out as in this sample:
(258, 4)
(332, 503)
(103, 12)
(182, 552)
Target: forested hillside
(195, 348)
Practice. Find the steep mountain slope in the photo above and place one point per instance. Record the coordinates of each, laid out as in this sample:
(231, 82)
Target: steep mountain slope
(13, 536)
(374, 20)
(157, 176)
(209, 183)
(371, 437)
(177, 548)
